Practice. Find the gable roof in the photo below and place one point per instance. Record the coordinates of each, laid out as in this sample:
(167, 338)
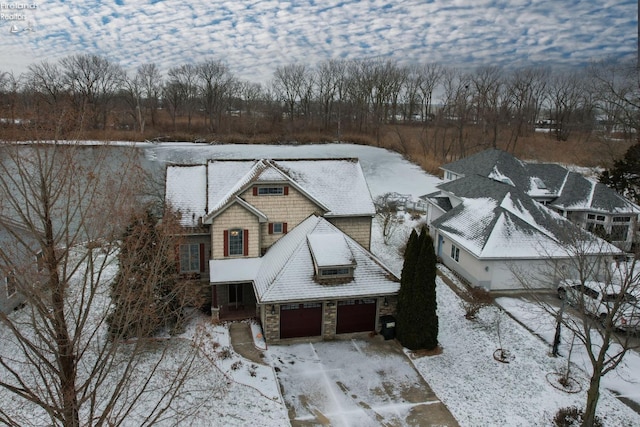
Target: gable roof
(497, 220)
(569, 190)
(337, 186)
(286, 272)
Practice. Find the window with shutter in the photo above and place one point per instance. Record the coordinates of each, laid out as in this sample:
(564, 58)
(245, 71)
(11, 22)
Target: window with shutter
(236, 242)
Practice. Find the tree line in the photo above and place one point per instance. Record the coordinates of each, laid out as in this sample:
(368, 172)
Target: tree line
(335, 96)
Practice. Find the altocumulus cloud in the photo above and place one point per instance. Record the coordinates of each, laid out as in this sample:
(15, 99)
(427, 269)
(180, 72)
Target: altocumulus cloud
(254, 37)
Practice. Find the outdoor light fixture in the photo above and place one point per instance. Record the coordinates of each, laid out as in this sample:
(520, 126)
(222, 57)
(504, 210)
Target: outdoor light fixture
(386, 302)
(273, 309)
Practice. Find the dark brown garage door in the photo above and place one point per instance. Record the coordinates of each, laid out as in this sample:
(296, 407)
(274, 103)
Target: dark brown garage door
(356, 316)
(300, 320)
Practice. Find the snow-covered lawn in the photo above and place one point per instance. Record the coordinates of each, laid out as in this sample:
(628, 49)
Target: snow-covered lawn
(479, 390)
(624, 380)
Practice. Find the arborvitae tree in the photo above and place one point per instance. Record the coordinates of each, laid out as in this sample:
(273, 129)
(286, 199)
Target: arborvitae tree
(145, 295)
(404, 317)
(624, 176)
(426, 285)
(417, 321)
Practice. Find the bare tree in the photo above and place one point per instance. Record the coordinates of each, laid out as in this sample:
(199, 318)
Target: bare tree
(431, 77)
(94, 82)
(330, 78)
(133, 91)
(456, 112)
(10, 86)
(566, 99)
(601, 291)
(216, 83)
(151, 81)
(617, 87)
(290, 83)
(387, 206)
(74, 202)
(253, 97)
(487, 84)
(184, 81)
(526, 90)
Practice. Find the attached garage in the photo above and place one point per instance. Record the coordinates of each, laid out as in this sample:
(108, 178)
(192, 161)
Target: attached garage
(300, 320)
(356, 315)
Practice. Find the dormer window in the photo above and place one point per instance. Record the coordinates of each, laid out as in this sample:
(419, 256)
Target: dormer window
(539, 184)
(332, 256)
(327, 273)
(271, 190)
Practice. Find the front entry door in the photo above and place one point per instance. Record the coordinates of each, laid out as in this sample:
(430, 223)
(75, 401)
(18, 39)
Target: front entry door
(235, 295)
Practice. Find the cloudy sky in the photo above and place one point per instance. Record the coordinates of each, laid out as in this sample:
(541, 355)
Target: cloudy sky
(256, 36)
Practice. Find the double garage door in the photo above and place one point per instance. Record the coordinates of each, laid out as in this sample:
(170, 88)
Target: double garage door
(305, 320)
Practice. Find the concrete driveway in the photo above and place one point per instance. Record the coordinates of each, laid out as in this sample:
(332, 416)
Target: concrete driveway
(357, 382)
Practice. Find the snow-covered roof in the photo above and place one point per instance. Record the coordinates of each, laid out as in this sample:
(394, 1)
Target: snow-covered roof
(582, 194)
(339, 183)
(567, 190)
(186, 191)
(330, 249)
(497, 220)
(288, 274)
(233, 270)
(337, 186)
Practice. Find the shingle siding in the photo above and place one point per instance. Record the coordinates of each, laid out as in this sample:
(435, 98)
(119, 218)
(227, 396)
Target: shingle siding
(358, 228)
(235, 217)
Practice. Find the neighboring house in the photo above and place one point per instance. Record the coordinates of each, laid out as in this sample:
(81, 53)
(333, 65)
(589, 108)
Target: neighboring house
(588, 203)
(492, 234)
(286, 241)
(19, 261)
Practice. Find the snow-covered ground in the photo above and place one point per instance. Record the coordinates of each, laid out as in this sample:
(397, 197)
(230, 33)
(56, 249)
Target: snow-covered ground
(477, 389)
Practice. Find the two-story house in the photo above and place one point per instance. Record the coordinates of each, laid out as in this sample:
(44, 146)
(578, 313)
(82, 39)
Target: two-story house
(286, 241)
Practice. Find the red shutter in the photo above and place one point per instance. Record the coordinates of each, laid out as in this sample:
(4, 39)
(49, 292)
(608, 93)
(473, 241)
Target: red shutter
(226, 242)
(202, 260)
(255, 191)
(286, 190)
(246, 242)
(270, 228)
(284, 228)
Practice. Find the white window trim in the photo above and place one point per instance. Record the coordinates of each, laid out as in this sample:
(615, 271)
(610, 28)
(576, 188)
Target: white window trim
(455, 253)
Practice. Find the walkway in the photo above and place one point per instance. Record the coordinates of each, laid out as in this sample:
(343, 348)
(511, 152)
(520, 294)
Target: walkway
(242, 342)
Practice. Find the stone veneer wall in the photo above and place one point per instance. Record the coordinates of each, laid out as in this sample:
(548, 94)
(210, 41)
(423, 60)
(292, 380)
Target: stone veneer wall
(270, 323)
(389, 309)
(329, 319)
